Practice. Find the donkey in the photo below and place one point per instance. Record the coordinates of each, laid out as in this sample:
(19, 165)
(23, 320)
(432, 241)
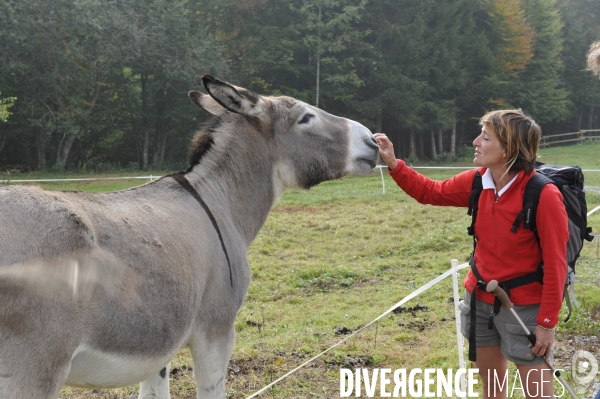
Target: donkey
(102, 290)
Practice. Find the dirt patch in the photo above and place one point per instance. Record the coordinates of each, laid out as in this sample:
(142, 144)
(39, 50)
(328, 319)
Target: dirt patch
(566, 348)
(412, 310)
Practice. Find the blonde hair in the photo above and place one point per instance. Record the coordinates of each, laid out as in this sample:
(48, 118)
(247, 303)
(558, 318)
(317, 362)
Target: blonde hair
(519, 136)
(593, 58)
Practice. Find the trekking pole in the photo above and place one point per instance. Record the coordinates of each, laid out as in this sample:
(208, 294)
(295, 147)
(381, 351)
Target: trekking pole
(507, 304)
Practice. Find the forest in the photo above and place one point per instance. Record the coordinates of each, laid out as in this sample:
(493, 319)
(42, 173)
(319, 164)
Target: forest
(101, 85)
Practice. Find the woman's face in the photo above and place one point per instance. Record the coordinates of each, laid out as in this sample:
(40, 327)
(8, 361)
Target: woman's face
(489, 152)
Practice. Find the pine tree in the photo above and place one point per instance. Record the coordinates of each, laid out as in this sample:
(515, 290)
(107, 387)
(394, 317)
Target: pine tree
(511, 43)
(581, 29)
(539, 88)
(392, 64)
(328, 29)
(455, 50)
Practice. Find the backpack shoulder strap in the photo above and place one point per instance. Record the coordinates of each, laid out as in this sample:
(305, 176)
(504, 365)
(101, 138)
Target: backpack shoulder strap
(531, 198)
(474, 202)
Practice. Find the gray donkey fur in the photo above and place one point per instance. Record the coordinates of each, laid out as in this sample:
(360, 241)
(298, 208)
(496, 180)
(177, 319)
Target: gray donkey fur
(102, 290)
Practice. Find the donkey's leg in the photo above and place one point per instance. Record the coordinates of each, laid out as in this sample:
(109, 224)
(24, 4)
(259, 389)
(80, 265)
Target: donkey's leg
(211, 351)
(26, 382)
(32, 366)
(37, 340)
(33, 386)
(156, 387)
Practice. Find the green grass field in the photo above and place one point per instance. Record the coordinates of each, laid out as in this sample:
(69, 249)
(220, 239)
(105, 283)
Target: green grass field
(331, 259)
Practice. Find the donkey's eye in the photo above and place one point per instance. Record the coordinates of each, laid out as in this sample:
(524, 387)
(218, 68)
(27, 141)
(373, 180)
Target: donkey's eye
(306, 118)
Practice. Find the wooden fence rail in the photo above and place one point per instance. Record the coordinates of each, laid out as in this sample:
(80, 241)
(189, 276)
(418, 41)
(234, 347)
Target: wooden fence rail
(570, 138)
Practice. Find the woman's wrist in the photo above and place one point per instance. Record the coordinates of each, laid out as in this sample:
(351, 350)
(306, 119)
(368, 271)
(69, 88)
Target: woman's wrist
(546, 328)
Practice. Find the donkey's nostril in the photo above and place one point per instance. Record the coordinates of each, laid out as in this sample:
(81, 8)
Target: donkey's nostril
(372, 143)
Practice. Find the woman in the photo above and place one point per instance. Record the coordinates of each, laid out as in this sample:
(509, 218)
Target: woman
(505, 153)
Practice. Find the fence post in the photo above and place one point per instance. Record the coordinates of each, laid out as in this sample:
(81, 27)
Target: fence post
(460, 343)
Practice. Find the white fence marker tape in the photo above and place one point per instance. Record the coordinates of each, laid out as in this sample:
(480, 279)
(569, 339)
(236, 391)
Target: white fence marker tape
(381, 167)
(382, 181)
(406, 299)
(593, 210)
(459, 338)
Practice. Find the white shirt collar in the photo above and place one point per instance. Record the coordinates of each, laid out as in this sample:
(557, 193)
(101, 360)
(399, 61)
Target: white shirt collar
(488, 183)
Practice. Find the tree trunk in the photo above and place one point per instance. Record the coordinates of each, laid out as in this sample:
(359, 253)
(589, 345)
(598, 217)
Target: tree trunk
(3, 133)
(318, 65)
(158, 154)
(591, 117)
(453, 140)
(40, 141)
(163, 145)
(145, 128)
(65, 148)
(159, 129)
(412, 148)
(157, 140)
(318, 79)
(440, 147)
(433, 150)
(379, 121)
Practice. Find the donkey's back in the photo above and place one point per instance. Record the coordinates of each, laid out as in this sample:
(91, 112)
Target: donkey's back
(38, 223)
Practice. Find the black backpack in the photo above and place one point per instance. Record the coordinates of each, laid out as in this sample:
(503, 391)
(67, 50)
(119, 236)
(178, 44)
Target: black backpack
(569, 180)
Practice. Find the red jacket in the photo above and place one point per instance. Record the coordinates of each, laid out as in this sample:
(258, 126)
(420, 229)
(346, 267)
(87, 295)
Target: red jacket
(500, 254)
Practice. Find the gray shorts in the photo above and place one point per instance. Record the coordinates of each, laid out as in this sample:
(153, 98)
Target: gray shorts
(506, 332)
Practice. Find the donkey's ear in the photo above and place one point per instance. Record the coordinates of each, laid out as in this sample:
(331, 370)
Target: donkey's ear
(206, 103)
(235, 99)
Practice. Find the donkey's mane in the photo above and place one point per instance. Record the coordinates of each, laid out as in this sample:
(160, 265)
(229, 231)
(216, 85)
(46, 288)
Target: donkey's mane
(200, 145)
(203, 140)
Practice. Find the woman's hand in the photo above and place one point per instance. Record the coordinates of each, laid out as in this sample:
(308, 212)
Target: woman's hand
(386, 150)
(544, 339)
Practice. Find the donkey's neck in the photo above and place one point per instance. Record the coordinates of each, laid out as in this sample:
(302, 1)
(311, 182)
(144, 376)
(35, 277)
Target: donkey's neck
(238, 185)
